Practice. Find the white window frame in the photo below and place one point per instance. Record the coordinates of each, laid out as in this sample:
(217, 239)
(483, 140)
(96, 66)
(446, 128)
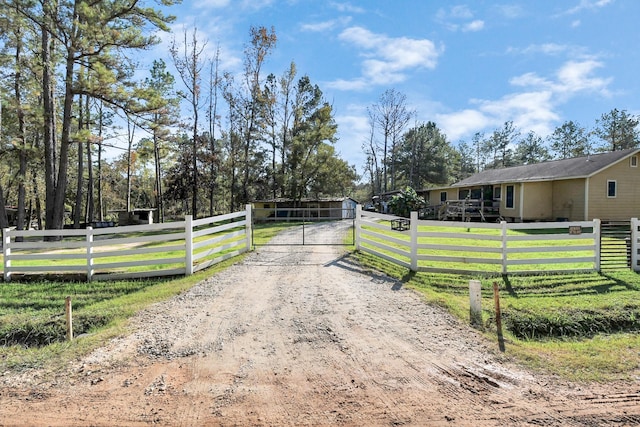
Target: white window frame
(633, 161)
(615, 188)
(445, 196)
(497, 189)
(513, 196)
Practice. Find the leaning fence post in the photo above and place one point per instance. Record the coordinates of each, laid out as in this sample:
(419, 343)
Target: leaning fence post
(414, 240)
(188, 244)
(6, 252)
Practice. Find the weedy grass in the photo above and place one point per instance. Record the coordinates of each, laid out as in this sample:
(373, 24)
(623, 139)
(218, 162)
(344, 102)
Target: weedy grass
(583, 326)
(32, 313)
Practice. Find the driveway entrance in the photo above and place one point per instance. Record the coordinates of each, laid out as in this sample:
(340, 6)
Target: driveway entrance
(308, 226)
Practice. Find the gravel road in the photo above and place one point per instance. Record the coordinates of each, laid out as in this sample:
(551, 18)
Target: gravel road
(302, 335)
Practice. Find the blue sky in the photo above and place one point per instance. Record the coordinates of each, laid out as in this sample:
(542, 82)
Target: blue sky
(467, 66)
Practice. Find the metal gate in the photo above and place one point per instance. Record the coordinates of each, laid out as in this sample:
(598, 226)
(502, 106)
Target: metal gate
(615, 245)
(305, 226)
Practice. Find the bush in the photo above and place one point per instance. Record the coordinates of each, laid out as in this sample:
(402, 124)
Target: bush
(406, 202)
(569, 322)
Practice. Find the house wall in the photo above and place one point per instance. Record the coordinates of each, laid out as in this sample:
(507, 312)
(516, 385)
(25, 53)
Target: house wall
(538, 201)
(568, 199)
(626, 204)
(510, 213)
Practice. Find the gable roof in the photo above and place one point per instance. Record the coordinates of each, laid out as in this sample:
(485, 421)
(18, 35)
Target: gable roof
(578, 167)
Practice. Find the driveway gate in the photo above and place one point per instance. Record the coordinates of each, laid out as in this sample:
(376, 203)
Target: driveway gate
(306, 226)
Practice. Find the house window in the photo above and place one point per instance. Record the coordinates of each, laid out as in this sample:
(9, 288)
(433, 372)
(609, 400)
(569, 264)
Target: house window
(509, 203)
(612, 188)
(634, 161)
(443, 196)
(497, 192)
(463, 194)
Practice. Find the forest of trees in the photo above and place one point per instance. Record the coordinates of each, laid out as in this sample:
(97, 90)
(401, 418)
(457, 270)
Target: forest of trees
(203, 140)
(401, 153)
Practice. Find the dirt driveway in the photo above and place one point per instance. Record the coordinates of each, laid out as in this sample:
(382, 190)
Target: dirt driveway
(303, 336)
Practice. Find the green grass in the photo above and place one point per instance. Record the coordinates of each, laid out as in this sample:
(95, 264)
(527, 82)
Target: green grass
(582, 326)
(32, 313)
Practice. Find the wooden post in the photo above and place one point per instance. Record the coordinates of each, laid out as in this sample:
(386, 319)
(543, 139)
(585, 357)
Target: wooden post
(69, 316)
(475, 302)
(496, 298)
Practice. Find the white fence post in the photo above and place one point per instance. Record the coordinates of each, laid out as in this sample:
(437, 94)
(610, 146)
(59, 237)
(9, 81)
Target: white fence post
(89, 254)
(475, 302)
(414, 240)
(597, 229)
(503, 226)
(357, 225)
(6, 251)
(188, 244)
(249, 226)
(634, 245)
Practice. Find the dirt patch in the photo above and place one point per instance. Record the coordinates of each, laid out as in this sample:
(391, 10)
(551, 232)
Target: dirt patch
(303, 336)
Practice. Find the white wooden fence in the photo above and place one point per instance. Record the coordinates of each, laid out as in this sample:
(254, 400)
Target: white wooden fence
(635, 245)
(480, 248)
(138, 251)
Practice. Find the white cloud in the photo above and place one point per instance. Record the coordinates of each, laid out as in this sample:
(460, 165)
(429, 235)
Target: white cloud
(587, 5)
(388, 59)
(462, 123)
(534, 107)
(353, 128)
(544, 48)
(211, 4)
(476, 25)
(571, 78)
(510, 11)
(346, 7)
(459, 17)
(326, 25)
(461, 12)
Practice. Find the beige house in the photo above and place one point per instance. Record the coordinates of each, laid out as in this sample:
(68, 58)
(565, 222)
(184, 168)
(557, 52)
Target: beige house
(604, 186)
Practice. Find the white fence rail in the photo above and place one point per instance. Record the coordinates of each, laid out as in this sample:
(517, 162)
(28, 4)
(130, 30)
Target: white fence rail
(480, 248)
(138, 251)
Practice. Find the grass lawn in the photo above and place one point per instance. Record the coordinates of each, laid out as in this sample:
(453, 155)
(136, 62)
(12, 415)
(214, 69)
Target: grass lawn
(581, 326)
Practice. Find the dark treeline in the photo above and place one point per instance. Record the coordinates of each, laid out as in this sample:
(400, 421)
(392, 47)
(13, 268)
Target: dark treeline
(201, 142)
(403, 153)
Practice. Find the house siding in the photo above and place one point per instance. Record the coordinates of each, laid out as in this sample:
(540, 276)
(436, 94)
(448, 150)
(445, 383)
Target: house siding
(511, 213)
(625, 204)
(568, 199)
(538, 201)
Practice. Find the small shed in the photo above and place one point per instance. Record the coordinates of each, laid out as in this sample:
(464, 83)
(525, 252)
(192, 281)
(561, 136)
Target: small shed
(324, 208)
(135, 217)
